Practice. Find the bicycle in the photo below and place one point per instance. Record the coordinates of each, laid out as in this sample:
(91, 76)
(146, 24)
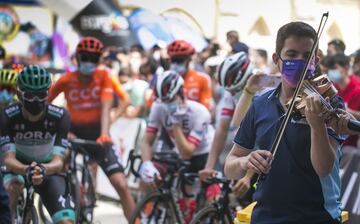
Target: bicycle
(218, 211)
(161, 206)
(83, 193)
(25, 209)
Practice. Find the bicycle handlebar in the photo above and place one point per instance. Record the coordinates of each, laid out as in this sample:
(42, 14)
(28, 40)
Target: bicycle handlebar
(218, 180)
(80, 145)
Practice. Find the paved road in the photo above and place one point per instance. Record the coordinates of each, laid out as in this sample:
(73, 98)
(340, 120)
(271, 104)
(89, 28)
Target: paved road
(108, 212)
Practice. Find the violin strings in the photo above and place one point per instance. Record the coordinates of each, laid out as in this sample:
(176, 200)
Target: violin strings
(322, 99)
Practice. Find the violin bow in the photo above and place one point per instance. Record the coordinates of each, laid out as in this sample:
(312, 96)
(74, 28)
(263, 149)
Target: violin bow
(285, 121)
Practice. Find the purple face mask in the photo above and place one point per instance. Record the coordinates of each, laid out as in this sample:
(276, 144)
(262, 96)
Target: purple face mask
(291, 71)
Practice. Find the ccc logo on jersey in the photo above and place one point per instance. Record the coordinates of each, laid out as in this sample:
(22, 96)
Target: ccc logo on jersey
(193, 94)
(84, 94)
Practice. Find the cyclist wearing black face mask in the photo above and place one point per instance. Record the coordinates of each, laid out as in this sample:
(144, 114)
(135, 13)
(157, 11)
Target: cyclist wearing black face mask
(33, 143)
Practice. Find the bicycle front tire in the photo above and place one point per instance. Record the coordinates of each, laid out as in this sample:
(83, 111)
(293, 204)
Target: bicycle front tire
(165, 214)
(208, 215)
(31, 217)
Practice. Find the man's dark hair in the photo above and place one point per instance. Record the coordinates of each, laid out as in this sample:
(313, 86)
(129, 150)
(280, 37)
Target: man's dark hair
(262, 53)
(297, 29)
(339, 59)
(233, 33)
(338, 44)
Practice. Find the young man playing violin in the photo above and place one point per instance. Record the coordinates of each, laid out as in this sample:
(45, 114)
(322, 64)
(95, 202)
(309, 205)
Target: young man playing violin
(302, 183)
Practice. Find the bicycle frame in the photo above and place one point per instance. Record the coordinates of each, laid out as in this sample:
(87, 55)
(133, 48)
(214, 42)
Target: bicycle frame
(28, 200)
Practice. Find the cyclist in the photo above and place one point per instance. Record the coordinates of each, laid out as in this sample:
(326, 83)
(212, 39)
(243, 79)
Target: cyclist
(33, 144)
(197, 85)
(89, 92)
(187, 123)
(8, 79)
(235, 75)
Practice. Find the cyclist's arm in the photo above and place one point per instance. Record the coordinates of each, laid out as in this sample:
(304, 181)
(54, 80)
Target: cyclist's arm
(123, 95)
(56, 88)
(146, 148)
(105, 117)
(8, 148)
(106, 103)
(242, 107)
(206, 92)
(218, 143)
(55, 166)
(185, 147)
(151, 130)
(14, 165)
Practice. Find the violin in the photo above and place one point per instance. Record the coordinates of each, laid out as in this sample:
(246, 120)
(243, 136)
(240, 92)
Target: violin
(320, 85)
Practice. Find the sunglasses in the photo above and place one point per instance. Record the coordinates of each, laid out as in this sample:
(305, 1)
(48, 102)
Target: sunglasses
(89, 58)
(178, 60)
(32, 96)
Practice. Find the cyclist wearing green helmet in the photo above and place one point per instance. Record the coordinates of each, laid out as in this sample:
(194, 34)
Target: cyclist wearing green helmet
(33, 144)
(8, 78)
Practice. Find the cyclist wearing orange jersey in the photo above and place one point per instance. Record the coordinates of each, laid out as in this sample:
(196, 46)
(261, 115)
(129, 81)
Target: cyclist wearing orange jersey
(89, 94)
(197, 85)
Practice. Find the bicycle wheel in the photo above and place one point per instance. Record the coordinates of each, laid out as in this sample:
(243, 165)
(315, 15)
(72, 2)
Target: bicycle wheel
(210, 215)
(154, 208)
(30, 216)
(87, 199)
(75, 195)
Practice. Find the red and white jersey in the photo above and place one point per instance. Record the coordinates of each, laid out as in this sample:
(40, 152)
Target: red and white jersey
(195, 124)
(227, 105)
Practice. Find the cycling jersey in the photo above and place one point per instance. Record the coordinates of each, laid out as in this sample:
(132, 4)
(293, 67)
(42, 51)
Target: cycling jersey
(34, 141)
(39, 141)
(197, 87)
(195, 124)
(84, 101)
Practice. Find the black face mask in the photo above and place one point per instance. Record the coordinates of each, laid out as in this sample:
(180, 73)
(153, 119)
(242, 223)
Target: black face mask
(35, 107)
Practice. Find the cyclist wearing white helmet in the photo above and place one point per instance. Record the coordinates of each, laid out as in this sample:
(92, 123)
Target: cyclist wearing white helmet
(236, 76)
(187, 123)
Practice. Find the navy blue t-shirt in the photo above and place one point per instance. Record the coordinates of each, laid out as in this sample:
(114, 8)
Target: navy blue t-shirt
(292, 192)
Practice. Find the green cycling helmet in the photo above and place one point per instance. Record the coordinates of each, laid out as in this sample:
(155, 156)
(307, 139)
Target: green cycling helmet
(34, 78)
(8, 77)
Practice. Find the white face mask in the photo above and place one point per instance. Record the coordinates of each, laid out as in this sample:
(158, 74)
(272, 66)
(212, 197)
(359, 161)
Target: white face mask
(334, 75)
(172, 106)
(87, 68)
(179, 68)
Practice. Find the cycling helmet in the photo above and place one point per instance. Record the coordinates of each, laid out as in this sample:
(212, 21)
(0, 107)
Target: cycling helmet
(180, 48)
(34, 78)
(168, 84)
(234, 71)
(90, 45)
(8, 77)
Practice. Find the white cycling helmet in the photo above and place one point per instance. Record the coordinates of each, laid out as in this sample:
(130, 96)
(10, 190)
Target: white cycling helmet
(168, 84)
(234, 71)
